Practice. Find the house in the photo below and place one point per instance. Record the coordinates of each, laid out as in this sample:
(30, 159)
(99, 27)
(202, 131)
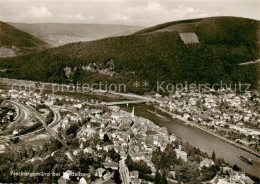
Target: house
(82, 181)
(100, 172)
(2, 148)
(79, 106)
(15, 132)
(88, 150)
(227, 169)
(134, 174)
(115, 116)
(111, 165)
(49, 102)
(64, 123)
(34, 159)
(14, 95)
(96, 111)
(63, 181)
(98, 147)
(107, 176)
(67, 174)
(192, 101)
(206, 163)
(138, 156)
(108, 159)
(101, 134)
(157, 95)
(172, 174)
(172, 138)
(181, 154)
(76, 152)
(81, 145)
(108, 147)
(135, 181)
(246, 118)
(114, 108)
(69, 155)
(186, 116)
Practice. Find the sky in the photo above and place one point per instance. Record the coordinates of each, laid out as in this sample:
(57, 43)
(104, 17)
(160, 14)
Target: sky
(127, 12)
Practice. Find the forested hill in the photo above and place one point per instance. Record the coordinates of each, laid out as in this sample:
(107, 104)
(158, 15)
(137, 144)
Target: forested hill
(154, 56)
(19, 41)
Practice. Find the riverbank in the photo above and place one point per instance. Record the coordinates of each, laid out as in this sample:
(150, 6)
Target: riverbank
(209, 132)
(198, 138)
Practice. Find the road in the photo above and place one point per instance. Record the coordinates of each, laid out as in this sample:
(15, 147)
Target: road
(4, 139)
(131, 95)
(124, 172)
(124, 102)
(47, 128)
(21, 118)
(249, 62)
(32, 111)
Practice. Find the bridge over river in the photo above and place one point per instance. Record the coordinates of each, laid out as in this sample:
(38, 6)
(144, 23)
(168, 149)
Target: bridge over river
(124, 102)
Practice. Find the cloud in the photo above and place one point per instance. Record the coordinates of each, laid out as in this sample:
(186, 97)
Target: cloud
(141, 12)
(154, 12)
(76, 17)
(188, 12)
(119, 17)
(36, 12)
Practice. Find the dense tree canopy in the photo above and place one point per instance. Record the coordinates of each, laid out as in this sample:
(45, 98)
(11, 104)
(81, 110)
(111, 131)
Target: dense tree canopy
(155, 56)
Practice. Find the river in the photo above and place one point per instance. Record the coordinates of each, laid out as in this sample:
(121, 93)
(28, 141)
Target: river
(202, 140)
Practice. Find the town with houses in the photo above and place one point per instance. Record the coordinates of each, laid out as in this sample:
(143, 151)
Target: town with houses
(87, 142)
(236, 117)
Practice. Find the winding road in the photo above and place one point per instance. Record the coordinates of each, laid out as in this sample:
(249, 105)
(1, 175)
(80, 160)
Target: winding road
(19, 120)
(28, 110)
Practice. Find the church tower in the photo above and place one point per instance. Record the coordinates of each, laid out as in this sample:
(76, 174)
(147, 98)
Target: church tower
(133, 113)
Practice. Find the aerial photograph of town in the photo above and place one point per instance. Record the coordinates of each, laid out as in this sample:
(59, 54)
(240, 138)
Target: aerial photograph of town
(130, 91)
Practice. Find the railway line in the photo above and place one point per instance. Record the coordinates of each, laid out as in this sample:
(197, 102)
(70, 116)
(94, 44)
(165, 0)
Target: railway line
(22, 119)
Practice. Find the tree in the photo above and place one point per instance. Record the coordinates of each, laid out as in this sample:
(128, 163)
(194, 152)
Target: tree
(163, 160)
(83, 164)
(164, 178)
(113, 155)
(16, 140)
(236, 168)
(210, 172)
(106, 138)
(55, 145)
(72, 129)
(140, 166)
(158, 178)
(48, 164)
(187, 173)
(117, 177)
(77, 75)
(129, 162)
(213, 157)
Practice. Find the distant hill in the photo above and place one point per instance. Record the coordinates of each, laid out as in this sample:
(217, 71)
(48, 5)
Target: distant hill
(189, 25)
(58, 34)
(152, 55)
(16, 42)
